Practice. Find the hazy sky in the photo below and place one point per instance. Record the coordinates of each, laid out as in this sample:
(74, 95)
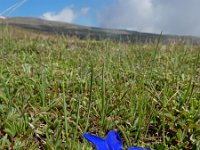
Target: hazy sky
(169, 16)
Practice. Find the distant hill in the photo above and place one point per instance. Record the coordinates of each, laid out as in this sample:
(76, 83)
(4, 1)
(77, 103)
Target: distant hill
(90, 32)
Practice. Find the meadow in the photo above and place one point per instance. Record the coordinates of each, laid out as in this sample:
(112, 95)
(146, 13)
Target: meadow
(55, 88)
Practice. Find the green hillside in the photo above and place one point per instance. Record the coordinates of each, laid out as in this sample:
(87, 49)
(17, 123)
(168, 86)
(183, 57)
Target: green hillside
(55, 88)
(84, 32)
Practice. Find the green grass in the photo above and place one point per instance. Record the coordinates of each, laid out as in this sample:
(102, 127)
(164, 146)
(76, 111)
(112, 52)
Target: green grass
(52, 91)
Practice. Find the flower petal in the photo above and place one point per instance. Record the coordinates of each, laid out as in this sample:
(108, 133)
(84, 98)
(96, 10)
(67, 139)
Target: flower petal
(98, 142)
(138, 148)
(114, 141)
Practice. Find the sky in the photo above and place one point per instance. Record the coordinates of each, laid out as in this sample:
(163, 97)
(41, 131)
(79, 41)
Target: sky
(155, 16)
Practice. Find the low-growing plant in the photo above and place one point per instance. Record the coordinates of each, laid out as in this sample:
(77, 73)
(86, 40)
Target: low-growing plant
(52, 90)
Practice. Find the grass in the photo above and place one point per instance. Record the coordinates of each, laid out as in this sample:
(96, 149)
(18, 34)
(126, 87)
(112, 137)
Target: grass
(52, 90)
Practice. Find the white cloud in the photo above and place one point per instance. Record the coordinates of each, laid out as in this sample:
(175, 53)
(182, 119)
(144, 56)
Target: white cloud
(68, 14)
(170, 16)
(84, 11)
(65, 15)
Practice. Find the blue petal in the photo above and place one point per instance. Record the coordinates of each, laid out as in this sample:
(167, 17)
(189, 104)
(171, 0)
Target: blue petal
(98, 142)
(138, 148)
(114, 141)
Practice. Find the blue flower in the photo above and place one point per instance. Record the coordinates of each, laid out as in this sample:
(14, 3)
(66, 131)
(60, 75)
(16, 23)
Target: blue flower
(112, 142)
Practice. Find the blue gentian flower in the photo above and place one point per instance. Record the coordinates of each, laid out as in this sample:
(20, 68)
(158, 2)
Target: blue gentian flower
(112, 142)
